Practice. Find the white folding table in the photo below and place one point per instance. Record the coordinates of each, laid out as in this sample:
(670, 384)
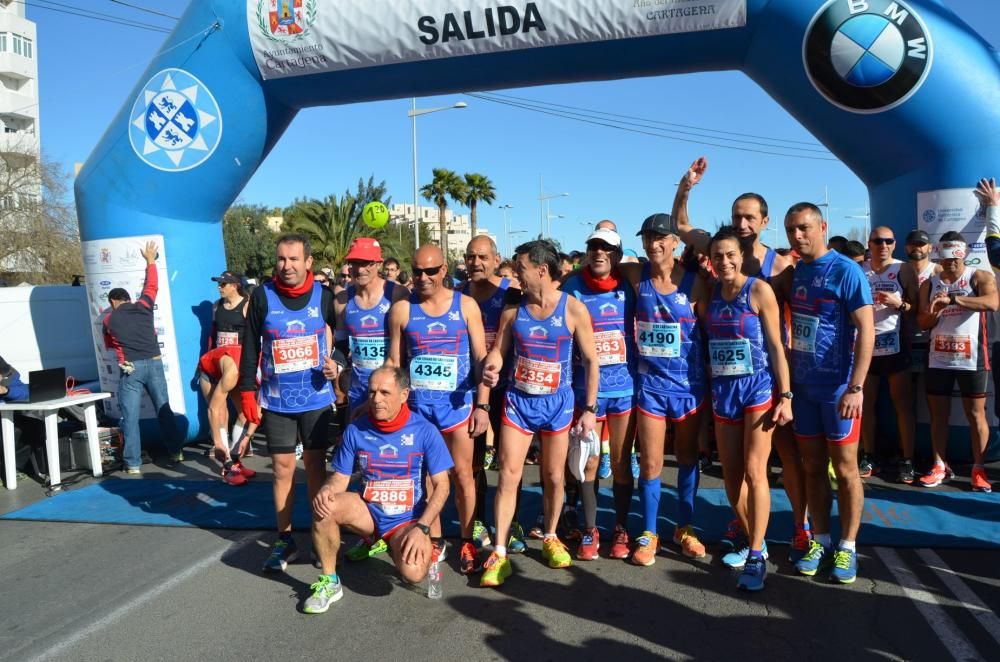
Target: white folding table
(51, 408)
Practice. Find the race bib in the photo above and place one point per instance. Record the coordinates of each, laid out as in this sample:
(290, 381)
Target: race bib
(537, 377)
(394, 497)
(804, 329)
(610, 347)
(227, 338)
(368, 352)
(952, 351)
(659, 339)
(295, 354)
(886, 344)
(730, 357)
(434, 372)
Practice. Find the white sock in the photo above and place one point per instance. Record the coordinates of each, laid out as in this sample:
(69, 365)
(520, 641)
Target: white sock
(848, 545)
(224, 437)
(549, 535)
(238, 431)
(500, 550)
(823, 539)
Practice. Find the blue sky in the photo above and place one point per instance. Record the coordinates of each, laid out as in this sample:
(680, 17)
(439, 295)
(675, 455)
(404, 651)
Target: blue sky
(87, 69)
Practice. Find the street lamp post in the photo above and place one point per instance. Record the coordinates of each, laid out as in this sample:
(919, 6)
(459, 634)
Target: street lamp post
(412, 114)
(543, 207)
(506, 228)
(550, 217)
(510, 235)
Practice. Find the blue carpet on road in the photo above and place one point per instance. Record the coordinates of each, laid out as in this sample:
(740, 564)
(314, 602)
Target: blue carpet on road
(899, 518)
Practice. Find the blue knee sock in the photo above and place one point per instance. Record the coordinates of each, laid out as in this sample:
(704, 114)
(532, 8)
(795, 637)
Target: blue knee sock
(649, 495)
(687, 488)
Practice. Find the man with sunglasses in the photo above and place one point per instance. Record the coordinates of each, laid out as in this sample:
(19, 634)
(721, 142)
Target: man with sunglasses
(894, 291)
(610, 300)
(439, 334)
(229, 314)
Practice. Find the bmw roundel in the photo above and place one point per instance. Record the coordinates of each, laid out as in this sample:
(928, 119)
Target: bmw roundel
(175, 123)
(867, 56)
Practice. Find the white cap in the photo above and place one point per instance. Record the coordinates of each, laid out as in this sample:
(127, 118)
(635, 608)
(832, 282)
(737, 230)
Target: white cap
(609, 237)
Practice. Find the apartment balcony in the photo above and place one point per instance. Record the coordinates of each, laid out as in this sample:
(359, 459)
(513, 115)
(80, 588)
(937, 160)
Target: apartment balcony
(18, 66)
(21, 142)
(18, 105)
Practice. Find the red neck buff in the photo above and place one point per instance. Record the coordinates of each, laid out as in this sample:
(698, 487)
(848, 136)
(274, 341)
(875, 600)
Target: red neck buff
(396, 424)
(294, 292)
(605, 284)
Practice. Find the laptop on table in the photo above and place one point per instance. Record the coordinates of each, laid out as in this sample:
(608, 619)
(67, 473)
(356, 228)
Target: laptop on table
(46, 384)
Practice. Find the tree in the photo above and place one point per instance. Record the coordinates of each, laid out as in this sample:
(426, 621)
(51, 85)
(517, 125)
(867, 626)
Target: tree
(249, 241)
(446, 184)
(41, 238)
(477, 188)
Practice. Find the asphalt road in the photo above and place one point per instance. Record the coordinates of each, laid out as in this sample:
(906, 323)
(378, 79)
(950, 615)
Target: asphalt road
(103, 592)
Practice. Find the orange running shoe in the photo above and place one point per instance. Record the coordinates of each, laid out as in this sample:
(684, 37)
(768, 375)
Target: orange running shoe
(646, 547)
(619, 543)
(979, 481)
(690, 546)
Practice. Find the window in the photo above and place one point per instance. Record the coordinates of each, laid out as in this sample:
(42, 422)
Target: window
(17, 43)
(27, 48)
(3, 42)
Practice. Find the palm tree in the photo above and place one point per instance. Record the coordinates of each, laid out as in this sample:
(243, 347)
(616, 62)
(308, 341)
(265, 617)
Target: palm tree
(477, 188)
(446, 184)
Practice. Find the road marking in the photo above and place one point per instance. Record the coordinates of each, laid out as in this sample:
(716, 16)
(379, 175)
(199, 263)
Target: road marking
(971, 601)
(927, 604)
(112, 617)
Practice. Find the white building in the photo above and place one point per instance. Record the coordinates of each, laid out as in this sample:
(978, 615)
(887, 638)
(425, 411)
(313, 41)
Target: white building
(459, 227)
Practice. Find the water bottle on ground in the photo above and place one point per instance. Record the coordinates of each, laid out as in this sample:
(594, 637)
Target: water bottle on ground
(434, 589)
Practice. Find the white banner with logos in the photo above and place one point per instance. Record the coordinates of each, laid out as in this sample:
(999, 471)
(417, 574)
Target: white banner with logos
(301, 37)
(111, 263)
(954, 209)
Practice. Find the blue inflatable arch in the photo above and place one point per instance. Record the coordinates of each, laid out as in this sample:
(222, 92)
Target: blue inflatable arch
(903, 92)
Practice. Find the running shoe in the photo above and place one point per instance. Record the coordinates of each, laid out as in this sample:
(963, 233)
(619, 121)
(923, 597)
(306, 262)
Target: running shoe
(704, 462)
(866, 467)
(752, 577)
(620, 543)
(646, 547)
(233, 476)
(489, 459)
(538, 530)
(905, 471)
(299, 449)
(817, 558)
(939, 473)
(439, 551)
(133, 471)
(175, 458)
(568, 526)
(635, 466)
(690, 546)
(247, 472)
(282, 553)
(733, 537)
(799, 545)
(468, 561)
(737, 558)
(590, 545)
(363, 549)
(554, 553)
(979, 481)
(845, 566)
(495, 570)
(481, 535)
(326, 591)
(604, 467)
(515, 543)
(532, 457)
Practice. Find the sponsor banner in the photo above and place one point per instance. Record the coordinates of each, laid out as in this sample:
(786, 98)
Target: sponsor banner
(301, 37)
(111, 263)
(954, 209)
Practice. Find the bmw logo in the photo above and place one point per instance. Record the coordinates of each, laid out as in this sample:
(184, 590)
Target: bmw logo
(867, 56)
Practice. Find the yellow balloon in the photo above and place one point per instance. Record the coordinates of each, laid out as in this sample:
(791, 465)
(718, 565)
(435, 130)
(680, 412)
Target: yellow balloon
(375, 214)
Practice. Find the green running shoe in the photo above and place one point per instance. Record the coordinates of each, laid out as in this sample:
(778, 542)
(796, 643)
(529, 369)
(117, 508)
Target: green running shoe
(516, 545)
(326, 591)
(364, 549)
(481, 535)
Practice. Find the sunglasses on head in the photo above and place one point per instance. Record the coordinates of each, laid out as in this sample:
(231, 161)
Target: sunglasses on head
(887, 241)
(426, 271)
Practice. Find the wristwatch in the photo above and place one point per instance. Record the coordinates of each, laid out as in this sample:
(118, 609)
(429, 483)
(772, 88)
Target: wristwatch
(788, 395)
(423, 527)
(484, 406)
(857, 388)
(952, 296)
(591, 408)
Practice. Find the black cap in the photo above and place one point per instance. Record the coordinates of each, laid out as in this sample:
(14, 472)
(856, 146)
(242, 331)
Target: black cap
(658, 223)
(228, 277)
(119, 294)
(918, 237)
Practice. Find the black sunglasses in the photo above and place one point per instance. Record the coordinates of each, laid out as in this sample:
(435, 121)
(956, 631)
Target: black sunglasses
(427, 271)
(883, 240)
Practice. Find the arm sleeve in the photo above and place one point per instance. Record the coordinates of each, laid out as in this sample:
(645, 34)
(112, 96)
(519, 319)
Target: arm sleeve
(110, 342)
(251, 340)
(149, 289)
(435, 452)
(343, 459)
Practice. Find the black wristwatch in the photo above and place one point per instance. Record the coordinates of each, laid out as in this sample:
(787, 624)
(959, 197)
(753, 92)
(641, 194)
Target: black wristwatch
(591, 408)
(423, 527)
(484, 406)
(857, 388)
(788, 395)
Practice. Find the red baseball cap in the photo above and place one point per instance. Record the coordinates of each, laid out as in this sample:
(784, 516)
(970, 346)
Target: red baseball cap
(364, 249)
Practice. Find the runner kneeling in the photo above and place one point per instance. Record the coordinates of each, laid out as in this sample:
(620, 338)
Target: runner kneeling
(219, 373)
(747, 358)
(396, 450)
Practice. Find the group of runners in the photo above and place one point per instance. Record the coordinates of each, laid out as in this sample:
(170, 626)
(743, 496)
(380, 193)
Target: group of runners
(783, 350)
